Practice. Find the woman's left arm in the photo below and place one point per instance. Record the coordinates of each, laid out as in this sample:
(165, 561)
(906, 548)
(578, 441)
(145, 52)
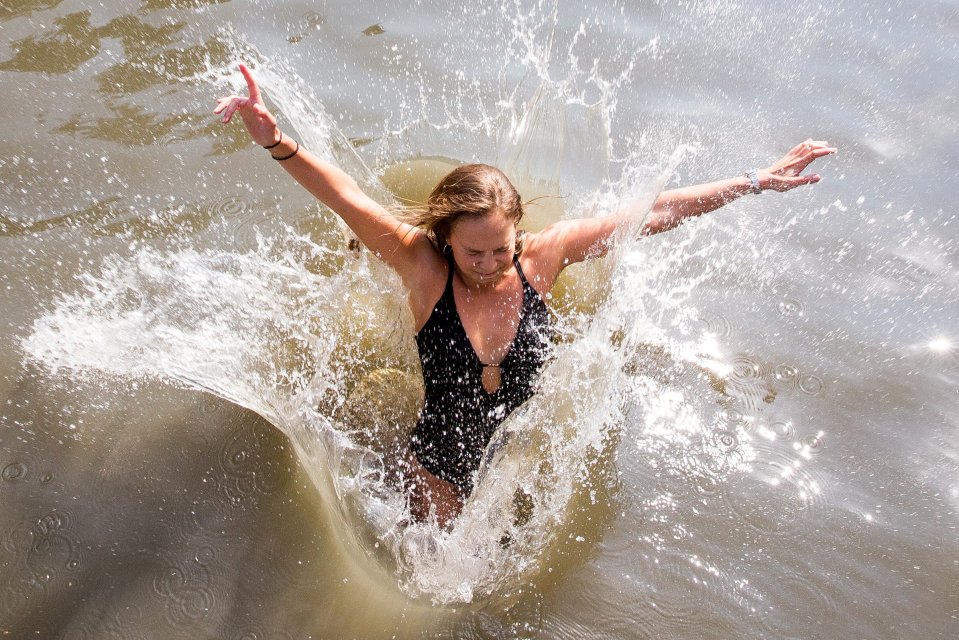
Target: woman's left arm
(676, 205)
(570, 241)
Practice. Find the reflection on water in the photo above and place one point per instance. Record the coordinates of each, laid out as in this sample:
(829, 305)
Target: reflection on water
(748, 428)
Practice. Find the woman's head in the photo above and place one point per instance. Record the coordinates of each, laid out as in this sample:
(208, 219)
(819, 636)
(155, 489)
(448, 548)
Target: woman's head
(469, 192)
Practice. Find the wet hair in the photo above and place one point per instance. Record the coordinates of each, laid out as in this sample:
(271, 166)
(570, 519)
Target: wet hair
(468, 191)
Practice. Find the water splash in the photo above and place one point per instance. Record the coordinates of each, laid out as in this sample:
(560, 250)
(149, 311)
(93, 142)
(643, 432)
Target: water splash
(305, 332)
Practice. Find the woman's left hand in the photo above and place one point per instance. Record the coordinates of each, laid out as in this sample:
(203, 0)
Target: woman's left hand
(786, 174)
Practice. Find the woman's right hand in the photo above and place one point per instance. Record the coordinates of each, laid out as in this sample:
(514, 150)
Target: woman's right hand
(259, 122)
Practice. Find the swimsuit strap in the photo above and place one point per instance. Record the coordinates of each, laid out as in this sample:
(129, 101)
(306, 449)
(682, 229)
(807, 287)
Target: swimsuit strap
(519, 268)
(449, 277)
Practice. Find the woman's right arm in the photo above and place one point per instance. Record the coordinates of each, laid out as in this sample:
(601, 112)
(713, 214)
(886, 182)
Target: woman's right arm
(400, 245)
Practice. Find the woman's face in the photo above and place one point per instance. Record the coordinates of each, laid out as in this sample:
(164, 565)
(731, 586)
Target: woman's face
(483, 248)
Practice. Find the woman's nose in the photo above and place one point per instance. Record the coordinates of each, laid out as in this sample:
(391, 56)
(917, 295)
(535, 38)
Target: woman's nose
(485, 263)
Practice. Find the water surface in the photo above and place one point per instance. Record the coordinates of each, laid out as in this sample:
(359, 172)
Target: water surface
(749, 429)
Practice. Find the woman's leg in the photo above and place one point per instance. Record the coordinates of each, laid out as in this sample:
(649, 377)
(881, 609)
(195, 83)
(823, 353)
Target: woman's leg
(427, 490)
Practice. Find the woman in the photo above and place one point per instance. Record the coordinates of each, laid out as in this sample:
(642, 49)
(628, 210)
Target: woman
(476, 285)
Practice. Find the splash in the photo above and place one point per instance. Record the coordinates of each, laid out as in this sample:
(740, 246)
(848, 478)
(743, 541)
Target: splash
(317, 338)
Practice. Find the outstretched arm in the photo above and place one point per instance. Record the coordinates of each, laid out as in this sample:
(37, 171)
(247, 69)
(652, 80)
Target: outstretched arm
(570, 241)
(676, 205)
(398, 243)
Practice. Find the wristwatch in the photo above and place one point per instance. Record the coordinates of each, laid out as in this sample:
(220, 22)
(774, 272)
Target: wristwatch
(753, 175)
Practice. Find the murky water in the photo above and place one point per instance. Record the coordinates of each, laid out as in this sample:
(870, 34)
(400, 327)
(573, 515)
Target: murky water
(749, 428)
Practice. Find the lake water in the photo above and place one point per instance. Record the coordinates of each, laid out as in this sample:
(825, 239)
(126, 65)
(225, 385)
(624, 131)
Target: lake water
(750, 428)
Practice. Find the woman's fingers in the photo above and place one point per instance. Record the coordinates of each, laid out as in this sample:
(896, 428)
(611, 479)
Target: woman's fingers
(222, 103)
(788, 172)
(786, 183)
(823, 151)
(250, 84)
(228, 106)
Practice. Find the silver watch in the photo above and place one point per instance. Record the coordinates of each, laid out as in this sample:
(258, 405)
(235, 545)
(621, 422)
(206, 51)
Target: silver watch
(753, 175)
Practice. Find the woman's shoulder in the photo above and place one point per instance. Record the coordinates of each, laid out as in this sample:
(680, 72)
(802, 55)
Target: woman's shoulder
(427, 282)
(537, 261)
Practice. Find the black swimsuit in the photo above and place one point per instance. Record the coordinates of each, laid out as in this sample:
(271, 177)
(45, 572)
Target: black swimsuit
(459, 416)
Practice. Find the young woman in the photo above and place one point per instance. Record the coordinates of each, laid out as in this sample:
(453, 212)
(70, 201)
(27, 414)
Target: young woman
(476, 285)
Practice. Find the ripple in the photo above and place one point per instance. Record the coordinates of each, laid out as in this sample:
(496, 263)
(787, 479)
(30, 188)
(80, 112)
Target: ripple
(724, 454)
(687, 475)
(245, 459)
(522, 618)
(205, 556)
(813, 443)
(811, 385)
(311, 22)
(746, 370)
(746, 383)
(17, 595)
(680, 592)
(229, 206)
(22, 467)
(727, 440)
(781, 429)
(128, 615)
(242, 217)
(716, 324)
(210, 405)
(732, 416)
(794, 607)
(53, 522)
(14, 472)
(314, 20)
(792, 308)
(186, 592)
(778, 493)
(45, 550)
(170, 138)
(786, 373)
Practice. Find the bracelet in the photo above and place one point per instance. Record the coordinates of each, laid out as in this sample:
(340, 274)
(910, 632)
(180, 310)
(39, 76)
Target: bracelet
(753, 175)
(289, 156)
(277, 143)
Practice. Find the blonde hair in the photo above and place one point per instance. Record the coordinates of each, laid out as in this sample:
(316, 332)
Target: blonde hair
(472, 191)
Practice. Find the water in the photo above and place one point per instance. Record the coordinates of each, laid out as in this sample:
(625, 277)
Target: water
(755, 436)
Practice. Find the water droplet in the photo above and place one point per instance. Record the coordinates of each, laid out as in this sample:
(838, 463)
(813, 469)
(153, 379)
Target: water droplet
(781, 429)
(14, 471)
(727, 439)
(813, 443)
(205, 556)
(786, 373)
(792, 308)
(733, 416)
(811, 385)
